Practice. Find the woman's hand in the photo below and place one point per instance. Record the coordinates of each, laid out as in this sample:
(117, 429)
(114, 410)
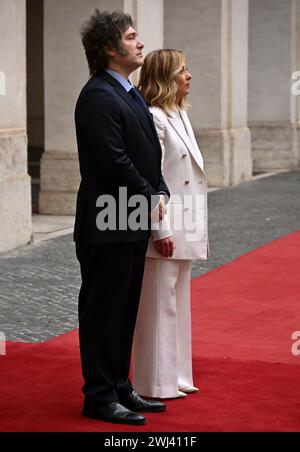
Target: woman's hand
(158, 213)
(162, 208)
(165, 247)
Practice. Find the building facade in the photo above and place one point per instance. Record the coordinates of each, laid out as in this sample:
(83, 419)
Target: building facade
(242, 54)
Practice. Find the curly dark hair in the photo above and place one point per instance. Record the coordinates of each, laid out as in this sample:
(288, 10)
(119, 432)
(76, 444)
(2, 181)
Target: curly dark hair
(101, 30)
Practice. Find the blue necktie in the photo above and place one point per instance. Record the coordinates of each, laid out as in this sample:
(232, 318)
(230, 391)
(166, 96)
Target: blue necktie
(140, 106)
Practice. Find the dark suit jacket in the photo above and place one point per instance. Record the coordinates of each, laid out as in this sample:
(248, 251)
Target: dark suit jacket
(116, 149)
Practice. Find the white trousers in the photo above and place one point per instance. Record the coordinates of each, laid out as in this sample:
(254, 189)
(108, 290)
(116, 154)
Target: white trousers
(162, 349)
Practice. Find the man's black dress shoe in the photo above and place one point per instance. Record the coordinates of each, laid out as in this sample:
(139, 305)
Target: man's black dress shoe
(135, 403)
(113, 412)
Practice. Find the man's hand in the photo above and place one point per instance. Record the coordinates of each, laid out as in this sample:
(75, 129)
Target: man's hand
(165, 247)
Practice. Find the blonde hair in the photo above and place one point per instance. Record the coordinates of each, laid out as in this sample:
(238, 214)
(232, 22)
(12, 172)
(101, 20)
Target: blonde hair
(157, 79)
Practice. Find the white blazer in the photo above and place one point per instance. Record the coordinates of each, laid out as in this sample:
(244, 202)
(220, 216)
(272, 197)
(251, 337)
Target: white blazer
(183, 170)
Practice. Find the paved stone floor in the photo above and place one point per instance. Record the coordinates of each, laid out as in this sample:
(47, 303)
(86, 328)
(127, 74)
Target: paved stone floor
(39, 284)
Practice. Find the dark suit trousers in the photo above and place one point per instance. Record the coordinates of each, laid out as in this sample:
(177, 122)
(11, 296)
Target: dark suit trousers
(112, 276)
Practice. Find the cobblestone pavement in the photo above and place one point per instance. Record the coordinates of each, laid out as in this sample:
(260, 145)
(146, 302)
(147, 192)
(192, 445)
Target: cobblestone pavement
(39, 284)
(248, 216)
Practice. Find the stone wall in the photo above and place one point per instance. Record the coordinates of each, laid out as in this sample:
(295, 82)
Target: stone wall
(15, 192)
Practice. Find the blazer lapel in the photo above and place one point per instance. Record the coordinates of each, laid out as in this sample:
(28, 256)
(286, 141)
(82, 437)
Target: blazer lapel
(184, 129)
(150, 116)
(128, 99)
(196, 152)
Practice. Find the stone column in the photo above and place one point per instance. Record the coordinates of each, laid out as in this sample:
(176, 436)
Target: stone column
(15, 191)
(148, 19)
(274, 55)
(66, 71)
(214, 37)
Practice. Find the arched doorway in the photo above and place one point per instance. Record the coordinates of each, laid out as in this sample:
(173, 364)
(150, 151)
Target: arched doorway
(35, 93)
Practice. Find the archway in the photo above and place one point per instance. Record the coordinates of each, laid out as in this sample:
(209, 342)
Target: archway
(35, 93)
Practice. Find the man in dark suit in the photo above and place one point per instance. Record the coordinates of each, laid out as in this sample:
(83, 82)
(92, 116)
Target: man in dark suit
(118, 147)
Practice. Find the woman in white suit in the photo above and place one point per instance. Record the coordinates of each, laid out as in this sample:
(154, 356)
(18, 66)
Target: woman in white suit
(162, 352)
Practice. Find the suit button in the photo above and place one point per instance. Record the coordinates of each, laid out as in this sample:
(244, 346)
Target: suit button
(187, 182)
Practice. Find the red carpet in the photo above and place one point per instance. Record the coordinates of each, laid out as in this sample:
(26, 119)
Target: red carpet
(245, 311)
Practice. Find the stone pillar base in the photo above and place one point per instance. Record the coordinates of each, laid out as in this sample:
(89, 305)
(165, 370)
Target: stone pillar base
(227, 155)
(51, 203)
(15, 190)
(60, 181)
(275, 146)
